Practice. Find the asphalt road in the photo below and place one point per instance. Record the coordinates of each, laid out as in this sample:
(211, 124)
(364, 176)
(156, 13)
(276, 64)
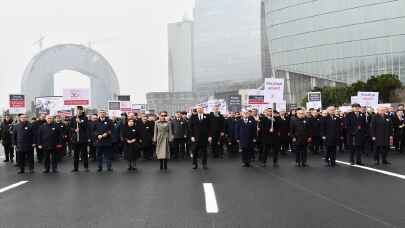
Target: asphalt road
(287, 196)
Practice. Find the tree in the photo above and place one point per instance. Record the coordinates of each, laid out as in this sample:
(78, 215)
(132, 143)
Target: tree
(386, 85)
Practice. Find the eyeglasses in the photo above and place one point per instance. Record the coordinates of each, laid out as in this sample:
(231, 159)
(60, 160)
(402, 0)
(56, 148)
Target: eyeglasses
(163, 115)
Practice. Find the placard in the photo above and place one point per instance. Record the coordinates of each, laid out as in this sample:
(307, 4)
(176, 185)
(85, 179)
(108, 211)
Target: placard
(17, 104)
(74, 97)
(274, 90)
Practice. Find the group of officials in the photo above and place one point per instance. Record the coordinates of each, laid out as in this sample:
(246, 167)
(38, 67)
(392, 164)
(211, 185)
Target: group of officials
(256, 135)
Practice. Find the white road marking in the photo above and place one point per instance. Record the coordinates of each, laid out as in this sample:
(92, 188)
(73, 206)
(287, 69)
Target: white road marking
(211, 205)
(12, 186)
(374, 170)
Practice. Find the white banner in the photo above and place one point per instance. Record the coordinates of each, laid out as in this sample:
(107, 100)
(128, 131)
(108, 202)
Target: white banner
(274, 90)
(50, 105)
(114, 109)
(221, 103)
(354, 100)
(138, 107)
(73, 97)
(126, 106)
(368, 99)
(314, 105)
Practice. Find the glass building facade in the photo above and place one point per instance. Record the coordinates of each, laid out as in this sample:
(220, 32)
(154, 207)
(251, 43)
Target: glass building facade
(338, 40)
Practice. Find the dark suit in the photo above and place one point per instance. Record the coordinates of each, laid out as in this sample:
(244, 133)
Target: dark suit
(356, 130)
(270, 138)
(24, 139)
(49, 137)
(217, 126)
(80, 141)
(199, 129)
(6, 138)
(245, 132)
(381, 130)
(330, 131)
(301, 132)
(180, 131)
(104, 145)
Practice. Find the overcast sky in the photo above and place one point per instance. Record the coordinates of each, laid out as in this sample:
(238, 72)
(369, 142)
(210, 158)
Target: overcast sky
(130, 34)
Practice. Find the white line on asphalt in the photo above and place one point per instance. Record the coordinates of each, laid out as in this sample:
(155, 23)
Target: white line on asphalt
(374, 170)
(211, 205)
(12, 186)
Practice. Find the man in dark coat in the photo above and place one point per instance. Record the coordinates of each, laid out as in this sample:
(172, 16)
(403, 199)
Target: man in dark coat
(49, 138)
(301, 137)
(245, 132)
(331, 133)
(230, 134)
(356, 130)
(270, 136)
(25, 142)
(6, 138)
(36, 124)
(217, 129)
(64, 131)
(91, 128)
(103, 131)
(381, 132)
(79, 138)
(179, 131)
(284, 129)
(199, 136)
(315, 122)
(147, 137)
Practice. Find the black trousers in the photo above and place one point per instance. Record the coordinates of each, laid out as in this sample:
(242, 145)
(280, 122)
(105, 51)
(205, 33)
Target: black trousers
(51, 157)
(301, 154)
(200, 151)
(40, 154)
(355, 151)
(232, 147)
(163, 163)
(26, 156)
(331, 155)
(80, 151)
(274, 148)
(179, 148)
(9, 152)
(216, 146)
(316, 145)
(381, 151)
(148, 152)
(247, 153)
(92, 152)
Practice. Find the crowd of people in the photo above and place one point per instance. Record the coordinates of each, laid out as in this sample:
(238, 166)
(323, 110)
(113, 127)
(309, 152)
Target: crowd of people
(256, 136)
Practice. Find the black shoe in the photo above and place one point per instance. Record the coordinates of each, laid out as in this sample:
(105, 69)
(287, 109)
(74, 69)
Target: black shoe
(74, 170)
(205, 167)
(110, 170)
(245, 165)
(21, 172)
(386, 163)
(360, 163)
(298, 164)
(129, 168)
(6, 160)
(45, 171)
(55, 171)
(99, 170)
(377, 163)
(195, 167)
(304, 165)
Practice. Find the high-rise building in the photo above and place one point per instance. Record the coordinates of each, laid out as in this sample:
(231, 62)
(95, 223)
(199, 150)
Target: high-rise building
(180, 43)
(337, 40)
(227, 51)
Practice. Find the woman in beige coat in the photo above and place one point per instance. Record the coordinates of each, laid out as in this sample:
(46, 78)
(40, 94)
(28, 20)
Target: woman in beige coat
(162, 138)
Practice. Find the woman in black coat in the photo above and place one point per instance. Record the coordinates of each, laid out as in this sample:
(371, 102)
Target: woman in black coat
(132, 139)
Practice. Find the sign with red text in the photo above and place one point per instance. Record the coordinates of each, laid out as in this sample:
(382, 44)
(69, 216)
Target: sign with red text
(17, 104)
(74, 97)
